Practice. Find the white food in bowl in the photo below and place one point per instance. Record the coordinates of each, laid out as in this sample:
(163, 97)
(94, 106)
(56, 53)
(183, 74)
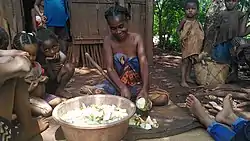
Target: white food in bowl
(94, 115)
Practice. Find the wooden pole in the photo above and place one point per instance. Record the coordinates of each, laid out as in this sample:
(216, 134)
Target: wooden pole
(101, 71)
(149, 30)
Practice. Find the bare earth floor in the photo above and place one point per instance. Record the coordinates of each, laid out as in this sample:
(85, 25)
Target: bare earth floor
(193, 135)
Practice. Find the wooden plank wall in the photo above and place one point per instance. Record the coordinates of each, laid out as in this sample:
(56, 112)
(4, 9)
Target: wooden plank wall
(89, 27)
(11, 16)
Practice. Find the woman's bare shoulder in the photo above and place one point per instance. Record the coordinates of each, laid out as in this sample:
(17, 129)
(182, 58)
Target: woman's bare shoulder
(136, 37)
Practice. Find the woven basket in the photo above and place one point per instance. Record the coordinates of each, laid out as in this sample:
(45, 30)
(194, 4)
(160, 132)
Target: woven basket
(211, 73)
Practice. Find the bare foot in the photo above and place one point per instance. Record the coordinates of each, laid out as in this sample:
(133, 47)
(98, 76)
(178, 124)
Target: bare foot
(198, 110)
(43, 124)
(184, 84)
(37, 127)
(227, 115)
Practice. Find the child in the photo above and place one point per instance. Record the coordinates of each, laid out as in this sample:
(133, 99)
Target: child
(53, 61)
(126, 60)
(38, 19)
(191, 36)
(27, 42)
(14, 95)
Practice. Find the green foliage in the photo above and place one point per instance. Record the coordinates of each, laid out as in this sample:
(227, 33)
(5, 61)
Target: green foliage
(168, 14)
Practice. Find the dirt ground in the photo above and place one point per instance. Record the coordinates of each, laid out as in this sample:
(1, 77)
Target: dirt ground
(165, 74)
(193, 135)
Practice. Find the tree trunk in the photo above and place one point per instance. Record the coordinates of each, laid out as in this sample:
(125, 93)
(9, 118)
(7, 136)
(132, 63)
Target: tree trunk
(160, 28)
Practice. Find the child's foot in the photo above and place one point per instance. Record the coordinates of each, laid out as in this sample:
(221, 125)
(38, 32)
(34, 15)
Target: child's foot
(226, 116)
(184, 84)
(198, 110)
(36, 127)
(54, 102)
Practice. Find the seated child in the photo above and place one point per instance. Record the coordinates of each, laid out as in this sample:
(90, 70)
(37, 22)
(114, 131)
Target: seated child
(126, 60)
(191, 36)
(27, 42)
(53, 61)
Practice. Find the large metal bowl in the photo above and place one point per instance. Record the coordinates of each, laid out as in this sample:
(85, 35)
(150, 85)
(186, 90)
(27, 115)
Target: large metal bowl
(106, 132)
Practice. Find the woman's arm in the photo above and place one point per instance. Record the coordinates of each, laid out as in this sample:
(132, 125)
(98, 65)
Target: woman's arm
(36, 6)
(33, 15)
(13, 53)
(143, 63)
(180, 26)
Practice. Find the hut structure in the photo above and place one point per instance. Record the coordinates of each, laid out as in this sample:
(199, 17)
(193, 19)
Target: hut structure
(88, 25)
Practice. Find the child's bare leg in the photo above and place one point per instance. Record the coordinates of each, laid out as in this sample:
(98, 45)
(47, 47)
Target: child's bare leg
(30, 127)
(7, 93)
(63, 46)
(65, 75)
(189, 68)
(54, 102)
(227, 116)
(40, 107)
(184, 72)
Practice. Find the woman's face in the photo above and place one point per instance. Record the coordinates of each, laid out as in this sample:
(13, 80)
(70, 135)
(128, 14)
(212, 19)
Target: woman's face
(118, 26)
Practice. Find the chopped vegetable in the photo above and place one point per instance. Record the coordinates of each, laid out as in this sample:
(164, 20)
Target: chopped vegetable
(94, 115)
(147, 124)
(143, 104)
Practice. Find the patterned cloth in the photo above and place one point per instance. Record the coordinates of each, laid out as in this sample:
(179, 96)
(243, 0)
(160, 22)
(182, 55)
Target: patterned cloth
(192, 36)
(35, 76)
(128, 69)
(6, 130)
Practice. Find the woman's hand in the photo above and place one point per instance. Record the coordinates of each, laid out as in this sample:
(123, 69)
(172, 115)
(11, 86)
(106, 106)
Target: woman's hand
(14, 53)
(143, 94)
(125, 93)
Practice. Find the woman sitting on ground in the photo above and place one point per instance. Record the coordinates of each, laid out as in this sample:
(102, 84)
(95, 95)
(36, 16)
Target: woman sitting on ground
(127, 65)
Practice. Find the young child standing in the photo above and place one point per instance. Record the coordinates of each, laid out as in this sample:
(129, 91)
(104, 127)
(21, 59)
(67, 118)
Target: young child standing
(53, 62)
(191, 36)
